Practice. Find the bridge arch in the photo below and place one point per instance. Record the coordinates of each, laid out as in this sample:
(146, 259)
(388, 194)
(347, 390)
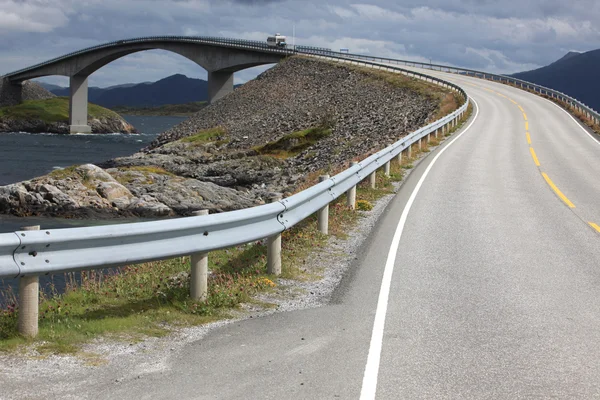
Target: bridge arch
(220, 59)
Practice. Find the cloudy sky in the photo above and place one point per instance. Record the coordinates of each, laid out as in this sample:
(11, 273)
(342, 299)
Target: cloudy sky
(496, 36)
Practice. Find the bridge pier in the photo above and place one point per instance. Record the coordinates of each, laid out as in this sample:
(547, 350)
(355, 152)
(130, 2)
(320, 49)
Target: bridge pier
(78, 105)
(11, 93)
(220, 84)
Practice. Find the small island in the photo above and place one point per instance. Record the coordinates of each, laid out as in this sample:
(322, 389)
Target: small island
(42, 112)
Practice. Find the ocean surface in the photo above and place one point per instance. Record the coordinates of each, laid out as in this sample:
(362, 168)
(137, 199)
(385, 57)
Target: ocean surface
(24, 156)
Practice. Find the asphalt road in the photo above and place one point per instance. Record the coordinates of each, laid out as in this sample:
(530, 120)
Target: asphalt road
(495, 290)
(494, 283)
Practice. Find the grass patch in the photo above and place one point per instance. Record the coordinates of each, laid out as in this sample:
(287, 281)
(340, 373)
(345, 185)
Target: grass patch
(63, 173)
(127, 175)
(51, 110)
(150, 169)
(206, 136)
(294, 143)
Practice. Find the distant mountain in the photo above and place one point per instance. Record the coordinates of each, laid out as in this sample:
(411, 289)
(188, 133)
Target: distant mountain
(567, 56)
(175, 89)
(48, 86)
(576, 74)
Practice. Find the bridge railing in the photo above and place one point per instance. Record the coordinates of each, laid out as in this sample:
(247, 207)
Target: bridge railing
(539, 89)
(28, 254)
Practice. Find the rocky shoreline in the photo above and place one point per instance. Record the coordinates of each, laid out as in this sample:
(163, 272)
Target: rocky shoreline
(98, 125)
(272, 135)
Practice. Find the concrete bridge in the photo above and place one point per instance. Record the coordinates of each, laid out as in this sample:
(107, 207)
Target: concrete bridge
(220, 57)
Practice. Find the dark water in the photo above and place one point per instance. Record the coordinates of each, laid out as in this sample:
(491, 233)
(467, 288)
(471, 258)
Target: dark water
(24, 156)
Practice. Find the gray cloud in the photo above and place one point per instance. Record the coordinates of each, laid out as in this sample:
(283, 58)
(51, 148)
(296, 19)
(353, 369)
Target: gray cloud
(496, 36)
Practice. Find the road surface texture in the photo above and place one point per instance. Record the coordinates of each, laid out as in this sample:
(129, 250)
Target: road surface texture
(493, 271)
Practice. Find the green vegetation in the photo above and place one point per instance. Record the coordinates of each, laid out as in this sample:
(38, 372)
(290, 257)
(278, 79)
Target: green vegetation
(364, 205)
(51, 110)
(176, 110)
(217, 134)
(151, 169)
(294, 143)
(127, 175)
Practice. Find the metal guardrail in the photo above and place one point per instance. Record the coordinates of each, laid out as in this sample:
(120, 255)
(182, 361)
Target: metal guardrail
(32, 253)
(542, 90)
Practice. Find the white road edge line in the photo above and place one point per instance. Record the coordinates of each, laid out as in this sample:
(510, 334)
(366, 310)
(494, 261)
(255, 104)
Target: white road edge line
(573, 118)
(369, 384)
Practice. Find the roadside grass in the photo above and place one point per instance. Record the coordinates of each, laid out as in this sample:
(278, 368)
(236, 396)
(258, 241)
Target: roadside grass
(51, 110)
(589, 122)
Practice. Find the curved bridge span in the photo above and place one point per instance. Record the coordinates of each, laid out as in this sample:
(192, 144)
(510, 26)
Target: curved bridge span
(220, 57)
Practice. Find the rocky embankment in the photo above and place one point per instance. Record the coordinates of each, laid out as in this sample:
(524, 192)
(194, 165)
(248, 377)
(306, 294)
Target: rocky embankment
(18, 120)
(298, 119)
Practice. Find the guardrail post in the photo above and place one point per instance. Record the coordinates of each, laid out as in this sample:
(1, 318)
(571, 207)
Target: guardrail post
(323, 213)
(351, 193)
(386, 169)
(29, 292)
(199, 272)
(274, 249)
(373, 179)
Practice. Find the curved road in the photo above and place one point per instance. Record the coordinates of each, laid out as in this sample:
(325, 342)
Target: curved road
(494, 283)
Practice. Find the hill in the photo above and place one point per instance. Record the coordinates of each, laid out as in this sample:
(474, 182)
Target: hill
(257, 141)
(575, 74)
(175, 89)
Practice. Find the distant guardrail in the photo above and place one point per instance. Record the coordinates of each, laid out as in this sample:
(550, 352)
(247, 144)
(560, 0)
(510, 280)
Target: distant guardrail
(542, 90)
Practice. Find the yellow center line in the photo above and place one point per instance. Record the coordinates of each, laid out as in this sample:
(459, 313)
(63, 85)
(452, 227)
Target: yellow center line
(535, 159)
(526, 125)
(525, 116)
(514, 102)
(593, 225)
(521, 108)
(557, 191)
(528, 138)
